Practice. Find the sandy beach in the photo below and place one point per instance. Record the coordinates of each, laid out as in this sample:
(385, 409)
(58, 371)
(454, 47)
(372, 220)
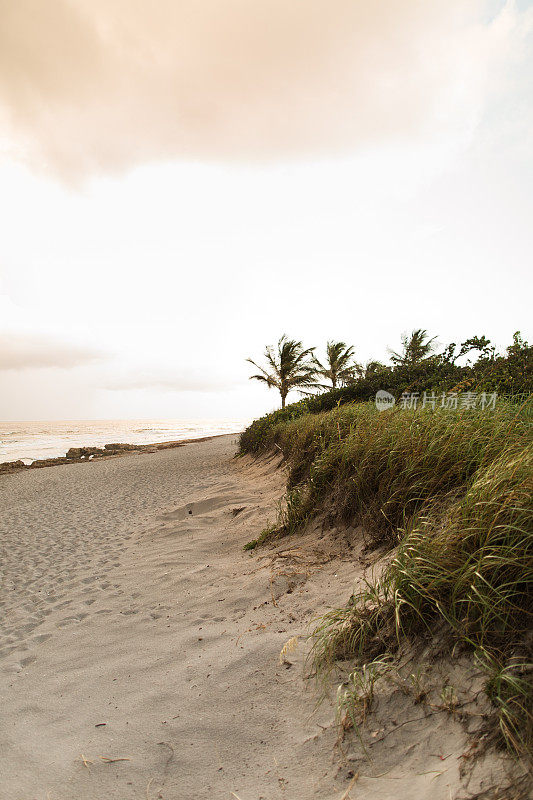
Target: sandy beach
(135, 627)
(140, 644)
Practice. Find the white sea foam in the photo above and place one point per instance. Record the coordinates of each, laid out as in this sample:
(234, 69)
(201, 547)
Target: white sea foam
(34, 440)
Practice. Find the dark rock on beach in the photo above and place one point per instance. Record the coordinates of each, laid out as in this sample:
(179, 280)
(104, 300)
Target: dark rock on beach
(11, 466)
(48, 462)
(82, 452)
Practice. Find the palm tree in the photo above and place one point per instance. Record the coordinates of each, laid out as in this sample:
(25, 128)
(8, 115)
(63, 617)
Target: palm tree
(373, 367)
(289, 366)
(416, 347)
(340, 368)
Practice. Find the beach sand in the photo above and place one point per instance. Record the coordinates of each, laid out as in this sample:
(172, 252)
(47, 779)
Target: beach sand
(139, 649)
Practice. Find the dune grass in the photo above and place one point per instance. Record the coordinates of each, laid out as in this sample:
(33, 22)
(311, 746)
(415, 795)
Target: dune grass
(452, 491)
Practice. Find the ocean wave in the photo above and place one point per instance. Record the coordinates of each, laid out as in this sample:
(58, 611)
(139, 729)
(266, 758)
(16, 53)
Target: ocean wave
(50, 440)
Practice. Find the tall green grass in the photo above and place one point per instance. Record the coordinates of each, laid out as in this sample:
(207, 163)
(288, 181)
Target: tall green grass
(379, 468)
(454, 490)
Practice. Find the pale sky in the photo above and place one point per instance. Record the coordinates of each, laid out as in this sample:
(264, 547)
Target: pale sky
(183, 182)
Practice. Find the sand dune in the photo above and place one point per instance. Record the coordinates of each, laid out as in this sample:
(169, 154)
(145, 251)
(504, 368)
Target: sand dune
(140, 645)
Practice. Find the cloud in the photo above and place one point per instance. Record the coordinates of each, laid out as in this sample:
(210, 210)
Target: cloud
(103, 85)
(21, 351)
(182, 380)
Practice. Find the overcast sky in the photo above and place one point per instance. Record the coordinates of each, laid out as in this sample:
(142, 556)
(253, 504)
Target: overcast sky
(183, 182)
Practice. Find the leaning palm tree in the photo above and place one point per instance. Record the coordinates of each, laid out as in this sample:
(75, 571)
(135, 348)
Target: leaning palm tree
(289, 366)
(340, 367)
(416, 347)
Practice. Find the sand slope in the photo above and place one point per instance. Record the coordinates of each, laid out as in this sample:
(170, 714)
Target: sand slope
(133, 629)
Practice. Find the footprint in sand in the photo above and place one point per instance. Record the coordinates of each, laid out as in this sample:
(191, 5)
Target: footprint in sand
(70, 620)
(42, 637)
(196, 509)
(64, 622)
(24, 629)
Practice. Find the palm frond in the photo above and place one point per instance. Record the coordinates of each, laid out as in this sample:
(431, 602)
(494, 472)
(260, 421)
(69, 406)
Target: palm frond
(289, 366)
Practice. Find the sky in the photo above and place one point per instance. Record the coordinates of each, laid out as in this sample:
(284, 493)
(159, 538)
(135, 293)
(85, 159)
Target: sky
(183, 182)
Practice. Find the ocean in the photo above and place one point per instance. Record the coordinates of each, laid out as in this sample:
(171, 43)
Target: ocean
(29, 441)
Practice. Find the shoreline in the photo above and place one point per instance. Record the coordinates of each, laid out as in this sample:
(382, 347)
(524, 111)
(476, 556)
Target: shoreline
(86, 454)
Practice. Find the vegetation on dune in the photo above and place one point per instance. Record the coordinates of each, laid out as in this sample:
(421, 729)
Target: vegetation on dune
(415, 370)
(451, 489)
(378, 469)
(465, 557)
